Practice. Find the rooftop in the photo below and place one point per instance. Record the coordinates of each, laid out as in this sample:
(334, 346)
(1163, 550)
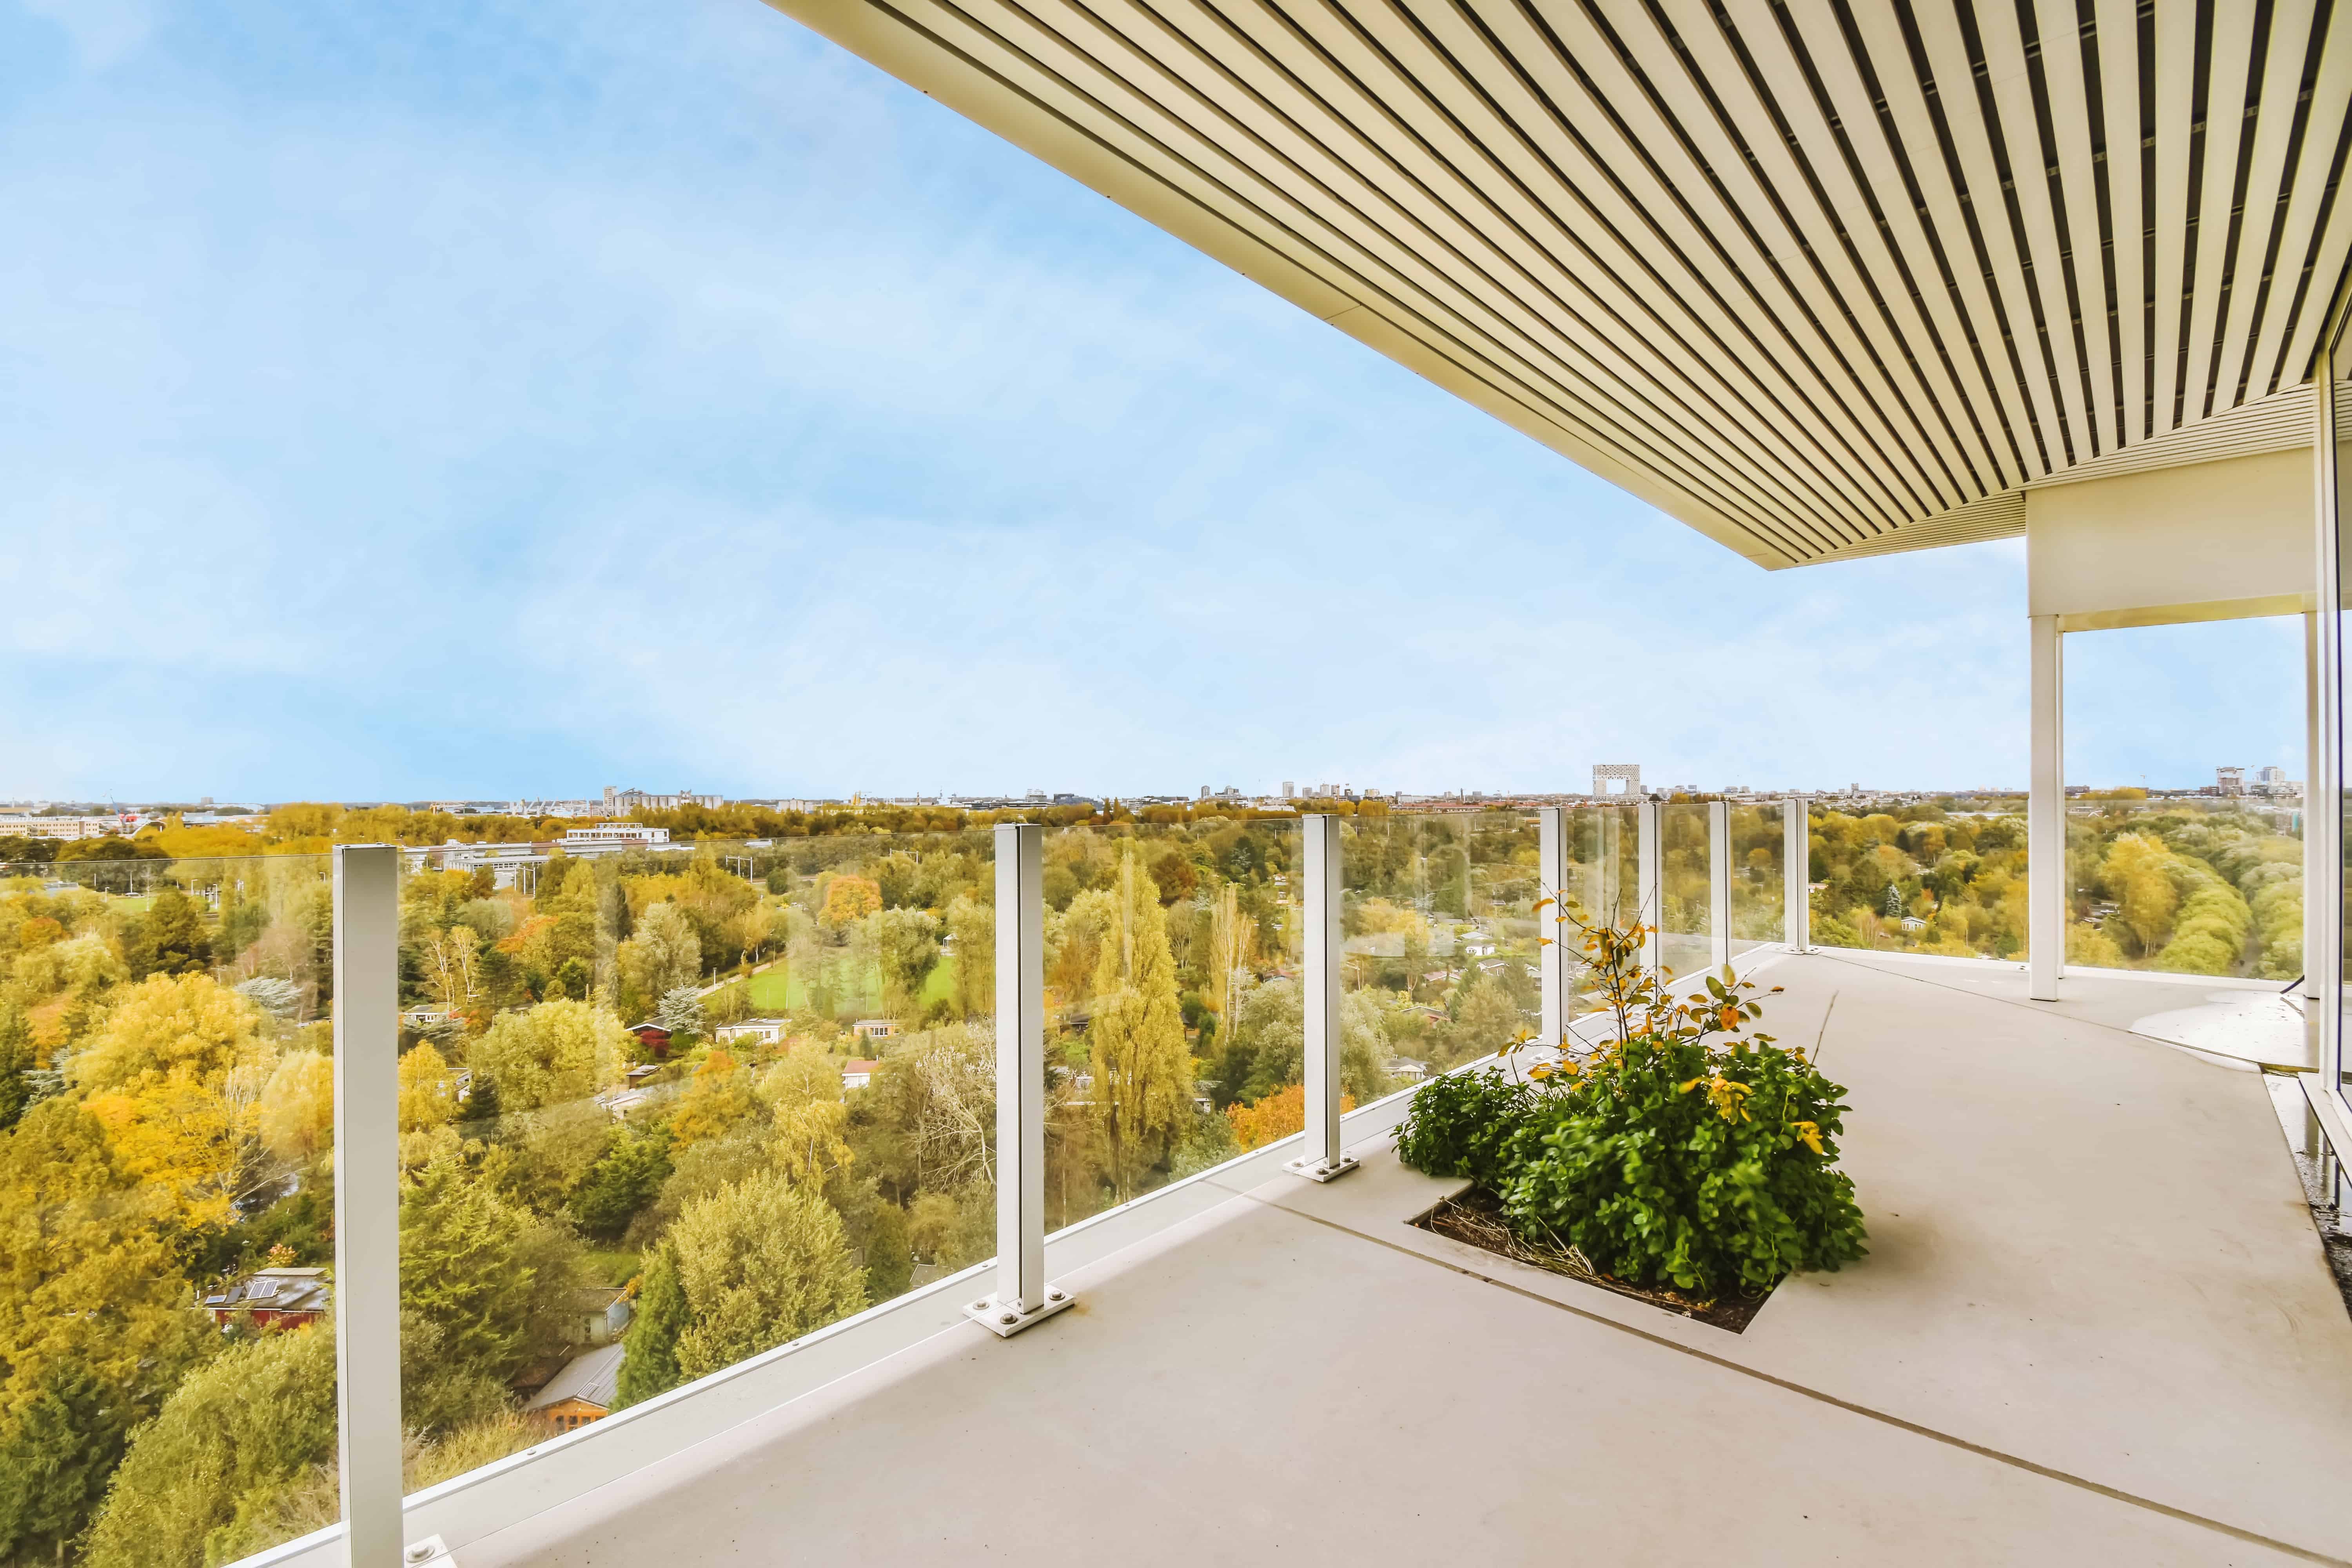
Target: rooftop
(2096, 1321)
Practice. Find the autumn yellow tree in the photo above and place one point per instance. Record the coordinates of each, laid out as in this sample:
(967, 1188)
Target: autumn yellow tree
(557, 1051)
(1142, 1066)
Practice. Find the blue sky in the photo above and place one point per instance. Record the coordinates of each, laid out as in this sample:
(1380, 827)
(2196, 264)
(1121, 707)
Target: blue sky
(488, 399)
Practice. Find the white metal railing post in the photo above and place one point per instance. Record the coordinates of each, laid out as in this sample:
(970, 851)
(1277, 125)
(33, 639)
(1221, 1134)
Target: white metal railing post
(1797, 873)
(1551, 878)
(1325, 943)
(2045, 814)
(1022, 1298)
(1719, 880)
(1650, 857)
(367, 1199)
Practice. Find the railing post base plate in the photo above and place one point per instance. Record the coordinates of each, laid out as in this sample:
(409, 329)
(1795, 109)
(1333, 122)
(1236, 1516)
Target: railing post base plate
(1005, 1319)
(1316, 1169)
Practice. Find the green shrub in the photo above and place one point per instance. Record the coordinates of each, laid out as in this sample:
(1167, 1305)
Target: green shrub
(1683, 1154)
(1458, 1125)
(1671, 1160)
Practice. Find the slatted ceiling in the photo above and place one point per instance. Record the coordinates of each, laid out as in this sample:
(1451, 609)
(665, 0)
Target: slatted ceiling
(1823, 277)
(2110, 58)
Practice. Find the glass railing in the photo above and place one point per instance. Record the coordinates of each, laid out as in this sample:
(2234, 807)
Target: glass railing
(166, 1165)
(2207, 886)
(1940, 879)
(1173, 1036)
(663, 1108)
(1685, 942)
(667, 1108)
(1758, 877)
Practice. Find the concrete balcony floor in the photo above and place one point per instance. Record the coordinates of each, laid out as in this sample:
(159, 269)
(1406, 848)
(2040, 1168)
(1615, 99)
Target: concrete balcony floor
(2095, 1322)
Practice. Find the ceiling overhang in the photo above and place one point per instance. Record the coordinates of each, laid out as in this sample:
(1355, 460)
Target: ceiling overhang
(1821, 279)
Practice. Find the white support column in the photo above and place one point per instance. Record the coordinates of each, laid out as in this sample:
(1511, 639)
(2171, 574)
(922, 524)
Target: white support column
(2314, 874)
(1797, 873)
(2323, 784)
(367, 1199)
(1718, 884)
(1650, 858)
(1551, 878)
(2046, 819)
(1023, 1299)
(1325, 941)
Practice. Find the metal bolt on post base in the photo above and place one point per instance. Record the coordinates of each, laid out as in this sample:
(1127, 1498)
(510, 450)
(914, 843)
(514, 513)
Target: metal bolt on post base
(1316, 1168)
(429, 1552)
(1005, 1319)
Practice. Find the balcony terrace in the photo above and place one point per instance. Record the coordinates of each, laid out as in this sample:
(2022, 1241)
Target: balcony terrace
(2095, 1319)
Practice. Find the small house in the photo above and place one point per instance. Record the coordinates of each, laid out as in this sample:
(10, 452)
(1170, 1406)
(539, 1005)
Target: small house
(602, 1313)
(874, 1028)
(1479, 944)
(760, 1031)
(275, 1296)
(858, 1072)
(582, 1392)
(1407, 1069)
(653, 1037)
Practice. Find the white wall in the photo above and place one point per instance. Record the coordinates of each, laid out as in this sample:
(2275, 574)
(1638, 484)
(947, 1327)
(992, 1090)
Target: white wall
(2203, 541)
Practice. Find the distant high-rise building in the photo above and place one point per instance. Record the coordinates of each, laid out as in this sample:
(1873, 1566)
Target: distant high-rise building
(2230, 780)
(1289, 790)
(1628, 774)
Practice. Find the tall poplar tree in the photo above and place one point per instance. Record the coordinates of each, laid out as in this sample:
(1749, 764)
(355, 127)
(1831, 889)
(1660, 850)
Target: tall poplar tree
(1142, 1066)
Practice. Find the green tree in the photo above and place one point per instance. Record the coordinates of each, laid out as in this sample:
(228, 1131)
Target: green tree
(494, 1278)
(761, 1262)
(171, 940)
(557, 1051)
(56, 1454)
(649, 1355)
(239, 1431)
(907, 948)
(620, 1184)
(17, 1060)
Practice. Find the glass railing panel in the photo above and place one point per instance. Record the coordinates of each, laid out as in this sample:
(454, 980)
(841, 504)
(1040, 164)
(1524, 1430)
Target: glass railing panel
(1758, 849)
(2187, 886)
(1685, 946)
(699, 1099)
(167, 1160)
(1174, 1034)
(1945, 876)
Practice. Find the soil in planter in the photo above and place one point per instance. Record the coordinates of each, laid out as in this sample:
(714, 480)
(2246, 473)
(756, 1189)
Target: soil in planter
(1477, 1218)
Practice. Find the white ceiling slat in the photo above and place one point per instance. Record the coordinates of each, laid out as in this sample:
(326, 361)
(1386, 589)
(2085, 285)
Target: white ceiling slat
(1379, 104)
(2330, 109)
(1907, 106)
(1679, 250)
(2231, 64)
(2290, 40)
(1428, 242)
(1956, 380)
(1885, 371)
(2116, 39)
(1528, 149)
(1779, 312)
(2059, 31)
(1497, 167)
(2176, 51)
(1638, 29)
(1825, 278)
(1171, 147)
(1947, 59)
(2335, 244)
(2011, 83)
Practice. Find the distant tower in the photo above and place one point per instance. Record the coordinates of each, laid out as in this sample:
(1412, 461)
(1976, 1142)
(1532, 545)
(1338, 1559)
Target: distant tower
(2232, 780)
(1629, 773)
